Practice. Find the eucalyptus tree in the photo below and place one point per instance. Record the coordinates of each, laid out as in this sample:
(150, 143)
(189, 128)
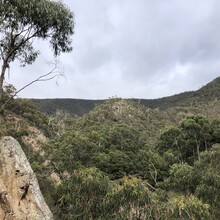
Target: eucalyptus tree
(187, 140)
(23, 21)
(207, 171)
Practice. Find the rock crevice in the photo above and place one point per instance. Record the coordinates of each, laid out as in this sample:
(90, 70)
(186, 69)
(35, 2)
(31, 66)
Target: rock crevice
(20, 195)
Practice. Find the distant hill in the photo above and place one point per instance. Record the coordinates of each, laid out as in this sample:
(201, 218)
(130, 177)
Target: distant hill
(137, 153)
(209, 92)
(73, 106)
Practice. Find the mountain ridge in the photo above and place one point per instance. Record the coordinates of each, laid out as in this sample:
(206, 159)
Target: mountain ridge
(79, 107)
(124, 146)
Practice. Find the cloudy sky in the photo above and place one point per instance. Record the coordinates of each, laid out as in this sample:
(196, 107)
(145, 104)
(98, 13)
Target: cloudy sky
(131, 49)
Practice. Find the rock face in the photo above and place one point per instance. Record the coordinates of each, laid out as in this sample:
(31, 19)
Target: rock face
(20, 195)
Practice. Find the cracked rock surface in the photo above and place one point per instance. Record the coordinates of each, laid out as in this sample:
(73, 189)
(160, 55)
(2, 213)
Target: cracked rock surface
(20, 195)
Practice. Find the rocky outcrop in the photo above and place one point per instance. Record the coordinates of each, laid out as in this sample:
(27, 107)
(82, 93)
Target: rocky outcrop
(20, 195)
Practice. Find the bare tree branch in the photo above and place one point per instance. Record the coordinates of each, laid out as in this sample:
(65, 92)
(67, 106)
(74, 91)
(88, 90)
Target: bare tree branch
(42, 78)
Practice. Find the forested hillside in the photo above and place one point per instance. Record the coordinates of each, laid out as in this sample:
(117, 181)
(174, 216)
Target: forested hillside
(209, 92)
(124, 160)
(116, 159)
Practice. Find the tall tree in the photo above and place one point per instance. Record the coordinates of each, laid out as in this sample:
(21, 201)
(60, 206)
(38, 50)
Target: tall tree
(187, 140)
(22, 21)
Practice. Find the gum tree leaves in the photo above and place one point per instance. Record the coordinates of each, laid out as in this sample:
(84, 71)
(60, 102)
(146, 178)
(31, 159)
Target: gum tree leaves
(22, 21)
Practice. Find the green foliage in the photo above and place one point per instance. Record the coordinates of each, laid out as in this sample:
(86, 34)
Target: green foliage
(216, 130)
(130, 197)
(48, 189)
(114, 163)
(24, 109)
(207, 171)
(71, 151)
(73, 107)
(188, 208)
(185, 141)
(22, 21)
(117, 143)
(89, 194)
(203, 101)
(108, 156)
(83, 195)
(181, 179)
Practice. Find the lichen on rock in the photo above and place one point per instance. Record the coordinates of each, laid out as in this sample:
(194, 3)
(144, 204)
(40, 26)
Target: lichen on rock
(20, 195)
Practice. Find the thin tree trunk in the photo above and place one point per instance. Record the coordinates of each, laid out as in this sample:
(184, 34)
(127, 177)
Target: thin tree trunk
(2, 77)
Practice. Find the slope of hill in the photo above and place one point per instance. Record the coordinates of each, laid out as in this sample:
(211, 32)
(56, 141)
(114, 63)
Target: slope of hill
(73, 106)
(209, 92)
(123, 156)
(20, 196)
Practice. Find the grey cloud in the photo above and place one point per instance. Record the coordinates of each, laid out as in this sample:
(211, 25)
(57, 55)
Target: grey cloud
(133, 48)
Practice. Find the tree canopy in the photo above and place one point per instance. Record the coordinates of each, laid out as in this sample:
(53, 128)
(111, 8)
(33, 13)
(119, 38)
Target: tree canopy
(122, 161)
(22, 21)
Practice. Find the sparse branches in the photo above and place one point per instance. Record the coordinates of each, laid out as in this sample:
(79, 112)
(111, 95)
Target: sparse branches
(54, 73)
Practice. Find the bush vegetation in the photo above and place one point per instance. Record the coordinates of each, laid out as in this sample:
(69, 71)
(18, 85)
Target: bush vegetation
(123, 160)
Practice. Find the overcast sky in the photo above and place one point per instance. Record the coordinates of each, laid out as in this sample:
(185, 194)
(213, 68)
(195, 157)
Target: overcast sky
(131, 49)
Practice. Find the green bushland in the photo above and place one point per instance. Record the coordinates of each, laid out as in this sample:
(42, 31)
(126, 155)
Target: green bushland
(123, 160)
